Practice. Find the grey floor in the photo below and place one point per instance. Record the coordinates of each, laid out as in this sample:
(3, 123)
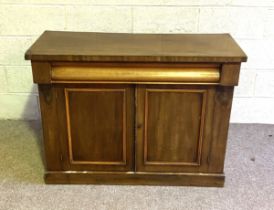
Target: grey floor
(249, 172)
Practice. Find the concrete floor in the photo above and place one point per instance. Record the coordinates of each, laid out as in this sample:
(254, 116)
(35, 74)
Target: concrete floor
(249, 177)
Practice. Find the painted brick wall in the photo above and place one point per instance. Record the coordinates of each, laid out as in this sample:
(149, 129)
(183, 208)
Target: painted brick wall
(251, 22)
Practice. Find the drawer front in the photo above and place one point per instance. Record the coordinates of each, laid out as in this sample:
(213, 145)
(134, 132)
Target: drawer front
(136, 74)
(173, 128)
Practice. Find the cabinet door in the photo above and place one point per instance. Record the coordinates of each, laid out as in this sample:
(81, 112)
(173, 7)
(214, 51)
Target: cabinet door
(173, 128)
(100, 127)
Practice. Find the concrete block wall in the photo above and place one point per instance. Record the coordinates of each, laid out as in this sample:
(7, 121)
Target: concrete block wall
(251, 22)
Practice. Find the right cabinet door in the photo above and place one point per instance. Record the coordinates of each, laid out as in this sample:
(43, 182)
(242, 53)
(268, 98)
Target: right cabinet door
(173, 128)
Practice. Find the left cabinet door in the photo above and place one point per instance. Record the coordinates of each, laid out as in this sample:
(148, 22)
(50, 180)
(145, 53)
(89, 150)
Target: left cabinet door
(96, 127)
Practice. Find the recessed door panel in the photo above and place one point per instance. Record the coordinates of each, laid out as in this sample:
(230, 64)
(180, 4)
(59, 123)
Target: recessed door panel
(170, 127)
(173, 119)
(100, 127)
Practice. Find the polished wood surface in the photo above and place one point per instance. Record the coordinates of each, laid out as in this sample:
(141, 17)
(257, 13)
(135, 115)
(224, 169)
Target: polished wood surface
(115, 47)
(134, 108)
(173, 123)
(88, 127)
(173, 127)
(41, 72)
(222, 109)
(230, 74)
(54, 128)
(91, 140)
(137, 74)
(137, 178)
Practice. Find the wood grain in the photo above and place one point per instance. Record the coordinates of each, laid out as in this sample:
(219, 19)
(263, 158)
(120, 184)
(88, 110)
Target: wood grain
(122, 47)
(230, 73)
(222, 110)
(41, 72)
(139, 178)
(173, 123)
(54, 129)
(177, 137)
(147, 109)
(101, 124)
(135, 74)
(101, 138)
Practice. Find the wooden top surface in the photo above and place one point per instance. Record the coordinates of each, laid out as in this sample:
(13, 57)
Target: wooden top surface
(115, 47)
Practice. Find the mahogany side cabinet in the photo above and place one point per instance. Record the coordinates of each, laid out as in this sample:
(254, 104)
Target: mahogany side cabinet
(147, 109)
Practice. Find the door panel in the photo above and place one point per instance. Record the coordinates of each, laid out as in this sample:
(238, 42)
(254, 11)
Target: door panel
(100, 127)
(173, 126)
(170, 128)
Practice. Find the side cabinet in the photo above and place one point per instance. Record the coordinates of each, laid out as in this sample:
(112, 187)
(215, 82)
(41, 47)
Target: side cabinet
(135, 108)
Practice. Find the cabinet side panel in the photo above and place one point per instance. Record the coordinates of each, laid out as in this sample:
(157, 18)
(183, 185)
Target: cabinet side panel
(53, 127)
(222, 109)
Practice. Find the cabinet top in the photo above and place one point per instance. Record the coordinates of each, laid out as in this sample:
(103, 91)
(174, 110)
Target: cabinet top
(122, 47)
